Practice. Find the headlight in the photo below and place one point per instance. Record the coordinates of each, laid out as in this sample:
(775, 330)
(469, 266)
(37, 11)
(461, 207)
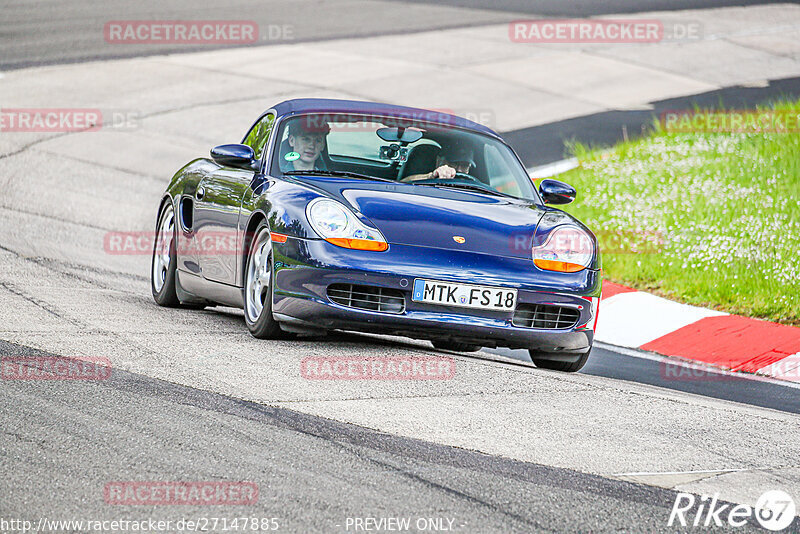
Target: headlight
(338, 225)
(568, 249)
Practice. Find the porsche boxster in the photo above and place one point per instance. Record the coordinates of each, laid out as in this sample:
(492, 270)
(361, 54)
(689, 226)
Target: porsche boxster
(345, 215)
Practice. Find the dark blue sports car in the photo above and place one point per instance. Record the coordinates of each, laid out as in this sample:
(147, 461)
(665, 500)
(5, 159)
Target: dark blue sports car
(368, 217)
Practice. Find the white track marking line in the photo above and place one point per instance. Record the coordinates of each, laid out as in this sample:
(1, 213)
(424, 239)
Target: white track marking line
(693, 472)
(634, 318)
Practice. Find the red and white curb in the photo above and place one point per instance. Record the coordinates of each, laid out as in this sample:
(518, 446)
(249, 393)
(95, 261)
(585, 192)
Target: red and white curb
(639, 320)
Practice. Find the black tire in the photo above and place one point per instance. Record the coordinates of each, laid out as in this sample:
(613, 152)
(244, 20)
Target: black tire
(163, 274)
(455, 346)
(259, 319)
(540, 359)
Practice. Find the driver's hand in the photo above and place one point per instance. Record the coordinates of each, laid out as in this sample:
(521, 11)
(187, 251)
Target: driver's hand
(445, 172)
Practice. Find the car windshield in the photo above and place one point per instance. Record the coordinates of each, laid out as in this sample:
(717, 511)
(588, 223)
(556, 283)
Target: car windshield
(399, 149)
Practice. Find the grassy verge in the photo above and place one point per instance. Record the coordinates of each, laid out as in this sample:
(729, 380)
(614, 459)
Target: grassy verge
(711, 219)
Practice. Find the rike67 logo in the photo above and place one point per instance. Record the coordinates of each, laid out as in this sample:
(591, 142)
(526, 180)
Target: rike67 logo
(775, 510)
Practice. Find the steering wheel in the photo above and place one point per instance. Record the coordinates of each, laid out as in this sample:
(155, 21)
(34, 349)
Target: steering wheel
(459, 176)
(465, 176)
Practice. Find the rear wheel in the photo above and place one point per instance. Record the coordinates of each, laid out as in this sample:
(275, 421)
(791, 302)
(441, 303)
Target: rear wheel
(258, 287)
(455, 346)
(162, 270)
(556, 362)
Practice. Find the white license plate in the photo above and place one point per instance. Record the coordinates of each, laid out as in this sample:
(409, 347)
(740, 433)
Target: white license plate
(464, 295)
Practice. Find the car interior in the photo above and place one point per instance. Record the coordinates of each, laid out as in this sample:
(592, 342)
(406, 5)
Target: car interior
(398, 160)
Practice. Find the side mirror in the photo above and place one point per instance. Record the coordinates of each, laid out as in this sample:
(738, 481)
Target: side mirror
(555, 192)
(238, 156)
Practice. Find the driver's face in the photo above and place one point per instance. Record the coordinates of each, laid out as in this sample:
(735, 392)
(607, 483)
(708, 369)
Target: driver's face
(460, 166)
(308, 145)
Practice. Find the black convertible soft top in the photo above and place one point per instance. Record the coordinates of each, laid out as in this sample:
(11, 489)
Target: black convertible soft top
(334, 106)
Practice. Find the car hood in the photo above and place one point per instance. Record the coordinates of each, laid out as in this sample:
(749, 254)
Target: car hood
(443, 218)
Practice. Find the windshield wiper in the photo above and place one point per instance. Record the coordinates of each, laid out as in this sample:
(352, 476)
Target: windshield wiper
(471, 187)
(348, 174)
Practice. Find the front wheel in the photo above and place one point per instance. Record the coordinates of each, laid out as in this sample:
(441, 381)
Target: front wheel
(258, 287)
(556, 362)
(163, 265)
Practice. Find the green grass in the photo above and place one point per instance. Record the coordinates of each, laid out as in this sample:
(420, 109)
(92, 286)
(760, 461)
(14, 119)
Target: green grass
(711, 219)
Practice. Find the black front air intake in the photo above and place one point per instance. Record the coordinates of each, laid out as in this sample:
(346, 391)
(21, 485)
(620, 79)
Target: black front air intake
(545, 316)
(378, 299)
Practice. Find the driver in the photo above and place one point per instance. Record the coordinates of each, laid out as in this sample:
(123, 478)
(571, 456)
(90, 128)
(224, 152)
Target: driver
(451, 160)
(305, 142)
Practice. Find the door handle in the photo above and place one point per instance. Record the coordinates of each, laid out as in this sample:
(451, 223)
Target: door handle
(201, 192)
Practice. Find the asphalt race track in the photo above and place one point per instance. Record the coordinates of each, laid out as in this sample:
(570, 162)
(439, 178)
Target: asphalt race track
(502, 447)
(51, 31)
(318, 472)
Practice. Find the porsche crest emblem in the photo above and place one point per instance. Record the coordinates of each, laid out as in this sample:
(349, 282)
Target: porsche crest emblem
(458, 239)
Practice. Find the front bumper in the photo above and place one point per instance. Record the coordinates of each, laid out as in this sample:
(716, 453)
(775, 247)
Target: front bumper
(304, 268)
